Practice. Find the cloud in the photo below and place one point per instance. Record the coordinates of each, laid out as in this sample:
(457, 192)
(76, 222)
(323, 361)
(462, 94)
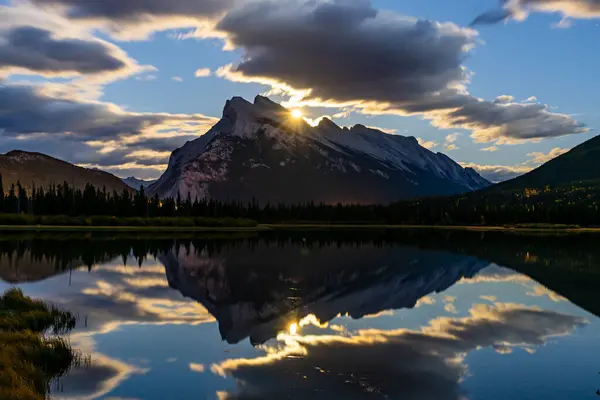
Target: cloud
(389, 131)
(428, 144)
(504, 99)
(519, 10)
(492, 17)
(31, 50)
(33, 42)
(541, 291)
(138, 19)
(203, 73)
(94, 381)
(498, 173)
(542, 158)
(490, 149)
(450, 140)
(92, 132)
(197, 367)
(432, 359)
(177, 78)
(150, 77)
(452, 137)
(374, 62)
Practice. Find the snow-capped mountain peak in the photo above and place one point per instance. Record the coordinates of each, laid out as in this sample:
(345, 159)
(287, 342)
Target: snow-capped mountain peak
(136, 183)
(259, 150)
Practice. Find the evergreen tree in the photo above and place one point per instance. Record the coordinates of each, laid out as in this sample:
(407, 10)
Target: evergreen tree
(11, 201)
(1, 195)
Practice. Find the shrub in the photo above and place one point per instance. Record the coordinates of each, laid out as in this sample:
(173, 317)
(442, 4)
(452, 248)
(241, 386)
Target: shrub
(184, 222)
(28, 359)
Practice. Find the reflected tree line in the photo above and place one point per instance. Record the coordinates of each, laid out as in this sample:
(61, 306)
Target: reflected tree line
(567, 263)
(561, 205)
(573, 251)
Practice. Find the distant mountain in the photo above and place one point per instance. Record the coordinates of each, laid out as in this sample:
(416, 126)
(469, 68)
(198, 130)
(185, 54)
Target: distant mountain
(578, 167)
(259, 151)
(137, 184)
(42, 170)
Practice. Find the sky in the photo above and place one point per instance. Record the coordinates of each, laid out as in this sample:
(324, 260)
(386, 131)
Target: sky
(498, 86)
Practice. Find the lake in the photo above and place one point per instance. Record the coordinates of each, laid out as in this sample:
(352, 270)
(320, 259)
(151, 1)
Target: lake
(321, 314)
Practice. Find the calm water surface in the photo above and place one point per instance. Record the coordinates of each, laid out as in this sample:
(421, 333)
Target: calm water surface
(322, 315)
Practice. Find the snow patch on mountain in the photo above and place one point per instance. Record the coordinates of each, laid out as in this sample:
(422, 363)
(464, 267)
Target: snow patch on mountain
(137, 184)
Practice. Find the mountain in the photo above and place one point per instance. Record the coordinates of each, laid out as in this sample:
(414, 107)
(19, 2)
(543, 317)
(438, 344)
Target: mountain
(42, 170)
(258, 150)
(136, 184)
(578, 167)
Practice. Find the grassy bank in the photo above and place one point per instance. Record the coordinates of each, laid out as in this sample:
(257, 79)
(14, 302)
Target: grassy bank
(29, 358)
(102, 221)
(216, 229)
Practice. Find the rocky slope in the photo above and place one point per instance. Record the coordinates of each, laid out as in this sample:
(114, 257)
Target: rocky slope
(258, 150)
(42, 170)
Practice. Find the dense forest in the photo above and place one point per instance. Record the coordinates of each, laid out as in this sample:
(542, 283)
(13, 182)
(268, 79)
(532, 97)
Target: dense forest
(574, 205)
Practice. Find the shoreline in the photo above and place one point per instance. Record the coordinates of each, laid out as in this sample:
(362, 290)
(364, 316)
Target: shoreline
(273, 227)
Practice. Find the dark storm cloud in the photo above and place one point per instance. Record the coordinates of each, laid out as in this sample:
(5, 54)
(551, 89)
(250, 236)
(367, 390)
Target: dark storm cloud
(163, 143)
(93, 134)
(137, 19)
(27, 110)
(431, 360)
(492, 17)
(341, 49)
(132, 10)
(346, 52)
(27, 48)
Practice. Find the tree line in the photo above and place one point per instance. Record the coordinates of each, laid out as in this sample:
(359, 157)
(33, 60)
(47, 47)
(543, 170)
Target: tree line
(577, 205)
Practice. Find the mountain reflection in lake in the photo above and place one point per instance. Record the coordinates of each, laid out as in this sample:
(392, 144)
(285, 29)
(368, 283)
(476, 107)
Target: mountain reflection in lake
(349, 315)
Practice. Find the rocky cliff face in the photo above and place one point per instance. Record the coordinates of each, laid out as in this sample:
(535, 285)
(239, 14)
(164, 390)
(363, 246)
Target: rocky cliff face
(258, 150)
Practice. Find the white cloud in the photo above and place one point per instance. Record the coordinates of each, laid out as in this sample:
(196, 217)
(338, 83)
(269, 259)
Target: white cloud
(542, 158)
(177, 78)
(428, 144)
(197, 367)
(498, 173)
(452, 137)
(505, 99)
(490, 149)
(146, 78)
(389, 131)
(450, 141)
(203, 73)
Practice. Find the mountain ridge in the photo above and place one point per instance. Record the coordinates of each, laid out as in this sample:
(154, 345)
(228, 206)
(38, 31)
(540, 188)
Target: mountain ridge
(41, 170)
(258, 151)
(578, 166)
